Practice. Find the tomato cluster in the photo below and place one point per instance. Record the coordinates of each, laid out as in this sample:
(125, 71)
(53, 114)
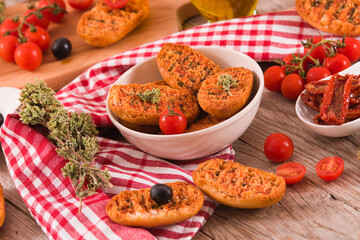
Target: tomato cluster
(279, 148)
(321, 58)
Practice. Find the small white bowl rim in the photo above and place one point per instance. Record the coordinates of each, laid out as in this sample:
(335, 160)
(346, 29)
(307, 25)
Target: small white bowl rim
(201, 132)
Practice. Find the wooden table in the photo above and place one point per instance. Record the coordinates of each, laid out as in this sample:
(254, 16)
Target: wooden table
(310, 209)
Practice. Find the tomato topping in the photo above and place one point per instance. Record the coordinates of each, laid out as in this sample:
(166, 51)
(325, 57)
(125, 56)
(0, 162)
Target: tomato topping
(292, 172)
(292, 85)
(273, 77)
(330, 168)
(116, 3)
(278, 147)
(172, 121)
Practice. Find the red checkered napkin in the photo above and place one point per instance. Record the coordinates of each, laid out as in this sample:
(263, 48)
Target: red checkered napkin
(36, 168)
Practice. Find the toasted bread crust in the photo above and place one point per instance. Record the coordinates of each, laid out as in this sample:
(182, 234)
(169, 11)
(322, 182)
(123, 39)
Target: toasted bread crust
(136, 208)
(183, 67)
(202, 123)
(103, 26)
(235, 185)
(340, 17)
(2, 206)
(127, 105)
(220, 103)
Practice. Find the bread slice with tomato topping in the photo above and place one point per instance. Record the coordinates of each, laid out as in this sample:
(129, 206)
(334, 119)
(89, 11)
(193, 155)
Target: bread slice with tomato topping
(136, 208)
(235, 185)
(183, 67)
(2, 206)
(143, 104)
(226, 92)
(103, 25)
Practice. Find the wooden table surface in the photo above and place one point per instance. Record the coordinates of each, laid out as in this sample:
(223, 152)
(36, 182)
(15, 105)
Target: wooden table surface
(310, 209)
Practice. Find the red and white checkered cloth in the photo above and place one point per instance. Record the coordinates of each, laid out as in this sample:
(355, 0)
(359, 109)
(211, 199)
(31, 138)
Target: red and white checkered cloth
(36, 168)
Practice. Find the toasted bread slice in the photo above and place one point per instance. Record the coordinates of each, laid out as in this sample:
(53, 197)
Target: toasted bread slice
(136, 208)
(235, 185)
(2, 206)
(103, 25)
(225, 93)
(202, 123)
(183, 67)
(126, 103)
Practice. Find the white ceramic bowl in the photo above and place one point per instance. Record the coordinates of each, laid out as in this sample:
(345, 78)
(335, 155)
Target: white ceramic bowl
(200, 143)
(306, 115)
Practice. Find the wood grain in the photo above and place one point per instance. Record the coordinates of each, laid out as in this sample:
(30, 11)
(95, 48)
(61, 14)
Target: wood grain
(161, 22)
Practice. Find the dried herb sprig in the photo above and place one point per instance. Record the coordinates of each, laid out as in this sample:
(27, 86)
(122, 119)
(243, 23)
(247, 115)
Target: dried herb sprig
(226, 81)
(73, 133)
(152, 95)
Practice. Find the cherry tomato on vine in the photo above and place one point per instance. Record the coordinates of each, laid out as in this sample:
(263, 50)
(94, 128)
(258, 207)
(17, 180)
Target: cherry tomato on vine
(330, 168)
(292, 172)
(288, 61)
(116, 3)
(28, 56)
(273, 77)
(337, 63)
(351, 50)
(317, 73)
(318, 52)
(292, 85)
(43, 22)
(8, 44)
(172, 121)
(53, 17)
(80, 4)
(10, 25)
(278, 147)
(39, 36)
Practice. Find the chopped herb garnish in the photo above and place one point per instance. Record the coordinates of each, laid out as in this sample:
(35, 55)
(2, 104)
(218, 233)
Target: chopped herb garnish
(226, 81)
(152, 96)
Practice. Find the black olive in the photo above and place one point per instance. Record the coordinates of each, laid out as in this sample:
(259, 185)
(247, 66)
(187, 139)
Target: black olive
(161, 193)
(1, 119)
(61, 48)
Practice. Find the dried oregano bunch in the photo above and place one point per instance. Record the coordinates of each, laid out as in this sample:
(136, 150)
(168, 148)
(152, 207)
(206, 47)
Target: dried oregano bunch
(73, 133)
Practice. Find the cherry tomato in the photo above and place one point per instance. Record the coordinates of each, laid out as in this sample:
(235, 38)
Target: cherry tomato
(116, 3)
(351, 50)
(288, 61)
(292, 85)
(292, 172)
(10, 25)
(172, 121)
(278, 147)
(317, 73)
(43, 21)
(318, 53)
(28, 56)
(337, 63)
(53, 17)
(80, 4)
(8, 44)
(39, 36)
(273, 77)
(330, 168)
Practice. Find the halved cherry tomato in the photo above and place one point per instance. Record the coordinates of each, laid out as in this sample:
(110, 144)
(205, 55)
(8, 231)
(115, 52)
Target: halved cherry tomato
(80, 4)
(8, 44)
(116, 3)
(351, 50)
(337, 63)
(317, 73)
(43, 21)
(292, 85)
(53, 17)
(273, 77)
(292, 172)
(330, 168)
(28, 56)
(318, 53)
(172, 121)
(278, 147)
(39, 36)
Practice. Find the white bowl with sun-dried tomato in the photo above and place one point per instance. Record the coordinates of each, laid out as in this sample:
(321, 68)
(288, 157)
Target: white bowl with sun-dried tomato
(201, 143)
